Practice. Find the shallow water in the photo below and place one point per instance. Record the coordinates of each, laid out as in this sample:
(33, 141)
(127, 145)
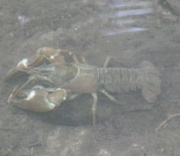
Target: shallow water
(130, 31)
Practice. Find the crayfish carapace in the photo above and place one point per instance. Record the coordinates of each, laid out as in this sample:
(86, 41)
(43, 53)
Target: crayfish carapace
(51, 79)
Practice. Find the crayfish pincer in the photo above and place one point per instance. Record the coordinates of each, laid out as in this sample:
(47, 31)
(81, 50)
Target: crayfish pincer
(51, 79)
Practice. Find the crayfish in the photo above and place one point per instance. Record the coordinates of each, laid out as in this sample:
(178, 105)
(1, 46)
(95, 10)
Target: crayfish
(49, 79)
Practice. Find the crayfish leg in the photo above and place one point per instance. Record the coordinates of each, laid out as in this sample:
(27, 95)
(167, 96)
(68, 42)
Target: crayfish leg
(94, 106)
(110, 97)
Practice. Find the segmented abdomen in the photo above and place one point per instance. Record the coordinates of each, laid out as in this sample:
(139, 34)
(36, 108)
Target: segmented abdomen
(146, 78)
(119, 79)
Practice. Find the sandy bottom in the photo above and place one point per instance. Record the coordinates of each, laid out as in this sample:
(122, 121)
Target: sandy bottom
(128, 129)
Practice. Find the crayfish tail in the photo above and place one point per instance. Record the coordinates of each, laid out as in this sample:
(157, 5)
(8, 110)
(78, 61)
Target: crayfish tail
(151, 86)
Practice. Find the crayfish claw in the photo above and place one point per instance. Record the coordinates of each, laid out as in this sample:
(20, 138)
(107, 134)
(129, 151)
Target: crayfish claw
(38, 99)
(21, 67)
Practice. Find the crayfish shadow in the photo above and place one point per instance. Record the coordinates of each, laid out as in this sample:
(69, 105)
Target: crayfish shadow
(76, 112)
